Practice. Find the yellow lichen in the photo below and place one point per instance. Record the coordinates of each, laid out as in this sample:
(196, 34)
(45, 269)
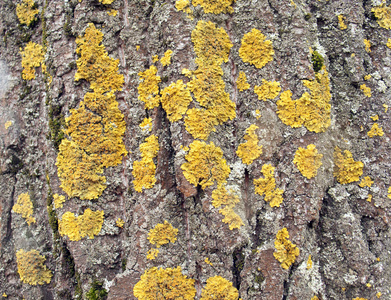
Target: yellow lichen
(155, 58)
(200, 123)
(162, 234)
(367, 44)
(257, 114)
(120, 223)
(26, 12)
(346, 170)
(205, 165)
(378, 294)
(389, 192)
(148, 88)
(268, 90)
(286, 251)
(385, 107)
(366, 90)
(369, 199)
(311, 110)
(375, 117)
(112, 12)
(106, 1)
(308, 161)
(208, 261)
(242, 83)
(215, 6)
(144, 170)
(315, 298)
(58, 200)
(31, 267)
(367, 77)
(32, 57)
(152, 254)
(221, 197)
(175, 100)
(375, 131)
(267, 187)
(218, 287)
(358, 298)
(341, 21)
(137, 47)
(255, 50)
(24, 206)
(8, 124)
(183, 5)
(383, 15)
(309, 262)
(164, 284)
(249, 151)
(146, 124)
(89, 223)
(366, 181)
(388, 43)
(166, 59)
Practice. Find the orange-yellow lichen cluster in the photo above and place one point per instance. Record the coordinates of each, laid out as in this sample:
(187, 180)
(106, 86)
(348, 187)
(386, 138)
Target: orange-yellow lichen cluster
(90, 223)
(183, 5)
(152, 254)
(120, 223)
(58, 200)
(241, 82)
(106, 1)
(366, 90)
(255, 49)
(166, 59)
(164, 284)
(24, 206)
(26, 12)
(358, 298)
(221, 197)
(162, 234)
(309, 262)
(346, 170)
(144, 170)
(218, 287)
(308, 161)
(383, 15)
(375, 131)
(205, 165)
(8, 124)
(175, 100)
(341, 22)
(311, 110)
(267, 187)
(249, 151)
(148, 89)
(268, 90)
(32, 57)
(31, 267)
(367, 44)
(215, 6)
(112, 12)
(366, 181)
(286, 251)
(96, 128)
(146, 124)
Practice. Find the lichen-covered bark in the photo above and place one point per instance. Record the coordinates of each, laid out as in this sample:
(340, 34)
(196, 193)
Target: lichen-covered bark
(343, 225)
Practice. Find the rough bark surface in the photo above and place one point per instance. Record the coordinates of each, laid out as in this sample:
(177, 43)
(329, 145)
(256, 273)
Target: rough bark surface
(348, 237)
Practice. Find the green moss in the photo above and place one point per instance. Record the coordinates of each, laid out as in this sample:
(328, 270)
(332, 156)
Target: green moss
(317, 61)
(56, 125)
(123, 264)
(96, 292)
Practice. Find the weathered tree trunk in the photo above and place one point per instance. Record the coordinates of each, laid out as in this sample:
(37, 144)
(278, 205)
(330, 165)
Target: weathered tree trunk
(334, 218)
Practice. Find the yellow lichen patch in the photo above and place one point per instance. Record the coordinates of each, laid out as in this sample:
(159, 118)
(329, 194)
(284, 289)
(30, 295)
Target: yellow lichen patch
(366, 90)
(32, 57)
(375, 117)
(385, 107)
(358, 298)
(286, 251)
(26, 12)
(311, 110)
(144, 170)
(378, 294)
(389, 192)
(257, 113)
(90, 223)
(94, 64)
(120, 223)
(164, 284)
(308, 161)
(388, 43)
(200, 123)
(208, 261)
(366, 181)
(221, 197)
(375, 131)
(31, 267)
(8, 124)
(369, 199)
(162, 234)
(315, 298)
(58, 200)
(383, 15)
(146, 124)
(309, 262)
(166, 59)
(155, 58)
(242, 83)
(175, 100)
(205, 165)
(267, 187)
(341, 21)
(137, 47)
(346, 170)
(367, 44)
(148, 88)
(367, 77)
(268, 90)
(255, 49)
(152, 254)
(218, 287)
(249, 151)
(24, 206)
(183, 5)
(215, 6)
(112, 12)
(106, 1)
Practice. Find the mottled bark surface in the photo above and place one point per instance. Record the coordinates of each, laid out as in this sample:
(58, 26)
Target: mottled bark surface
(348, 237)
